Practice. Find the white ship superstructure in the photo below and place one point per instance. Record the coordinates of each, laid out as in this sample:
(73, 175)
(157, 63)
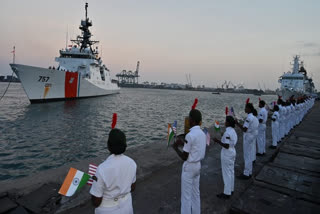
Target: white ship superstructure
(296, 83)
(80, 73)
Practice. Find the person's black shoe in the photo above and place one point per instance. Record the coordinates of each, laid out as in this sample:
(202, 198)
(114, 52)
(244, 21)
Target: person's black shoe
(244, 177)
(272, 147)
(254, 162)
(223, 196)
(258, 154)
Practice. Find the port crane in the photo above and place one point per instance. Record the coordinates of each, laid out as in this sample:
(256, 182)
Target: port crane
(129, 77)
(189, 82)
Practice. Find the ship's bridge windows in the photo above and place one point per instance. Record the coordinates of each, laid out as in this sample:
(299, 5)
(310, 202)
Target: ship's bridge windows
(292, 78)
(82, 56)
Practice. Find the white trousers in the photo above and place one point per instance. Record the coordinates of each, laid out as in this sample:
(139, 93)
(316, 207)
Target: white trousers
(282, 128)
(254, 149)
(227, 166)
(190, 192)
(275, 133)
(123, 207)
(248, 143)
(297, 117)
(261, 140)
(288, 124)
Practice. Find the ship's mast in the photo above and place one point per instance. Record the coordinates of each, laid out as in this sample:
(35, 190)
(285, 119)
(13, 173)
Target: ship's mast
(86, 10)
(14, 55)
(296, 65)
(84, 40)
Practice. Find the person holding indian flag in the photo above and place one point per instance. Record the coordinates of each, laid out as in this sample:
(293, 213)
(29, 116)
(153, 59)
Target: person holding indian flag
(194, 149)
(228, 156)
(249, 129)
(115, 178)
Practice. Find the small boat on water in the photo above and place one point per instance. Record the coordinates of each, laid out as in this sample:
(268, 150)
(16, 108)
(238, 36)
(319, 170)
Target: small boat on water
(296, 83)
(215, 92)
(80, 73)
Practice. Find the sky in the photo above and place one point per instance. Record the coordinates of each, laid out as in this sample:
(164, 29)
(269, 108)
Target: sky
(248, 42)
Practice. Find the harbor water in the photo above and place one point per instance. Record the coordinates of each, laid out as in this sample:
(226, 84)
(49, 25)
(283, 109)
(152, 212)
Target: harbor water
(37, 137)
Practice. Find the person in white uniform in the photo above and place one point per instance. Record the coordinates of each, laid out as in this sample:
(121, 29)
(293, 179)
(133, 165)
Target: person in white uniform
(115, 179)
(249, 136)
(282, 112)
(228, 156)
(262, 117)
(194, 149)
(275, 127)
(254, 146)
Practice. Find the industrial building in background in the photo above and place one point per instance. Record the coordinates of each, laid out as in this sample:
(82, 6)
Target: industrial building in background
(129, 78)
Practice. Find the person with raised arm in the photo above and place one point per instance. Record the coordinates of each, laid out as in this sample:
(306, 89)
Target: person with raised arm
(228, 157)
(194, 149)
(249, 129)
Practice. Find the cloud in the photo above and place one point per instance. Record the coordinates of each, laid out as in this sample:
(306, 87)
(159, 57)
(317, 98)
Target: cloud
(307, 44)
(316, 53)
(310, 44)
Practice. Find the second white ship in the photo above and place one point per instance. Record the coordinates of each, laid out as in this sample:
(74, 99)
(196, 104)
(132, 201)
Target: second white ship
(80, 73)
(296, 84)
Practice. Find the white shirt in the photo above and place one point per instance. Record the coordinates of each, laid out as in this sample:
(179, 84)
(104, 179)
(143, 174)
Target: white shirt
(251, 123)
(229, 137)
(115, 176)
(288, 111)
(275, 116)
(263, 115)
(283, 113)
(195, 145)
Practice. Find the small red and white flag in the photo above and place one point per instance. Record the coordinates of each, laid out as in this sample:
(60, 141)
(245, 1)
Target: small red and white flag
(92, 171)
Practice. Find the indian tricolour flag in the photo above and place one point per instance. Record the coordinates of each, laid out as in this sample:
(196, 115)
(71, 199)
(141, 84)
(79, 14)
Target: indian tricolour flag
(170, 133)
(74, 181)
(216, 126)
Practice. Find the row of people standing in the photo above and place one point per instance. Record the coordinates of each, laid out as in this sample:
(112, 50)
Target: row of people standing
(116, 177)
(254, 137)
(194, 146)
(287, 115)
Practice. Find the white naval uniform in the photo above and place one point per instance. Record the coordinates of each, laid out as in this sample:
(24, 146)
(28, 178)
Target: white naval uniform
(115, 177)
(251, 123)
(292, 118)
(282, 120)
(190, 177)
(254, 146)
(297, 114)
(288, 108)
(261, 140)
(275, 128)
(228, 156)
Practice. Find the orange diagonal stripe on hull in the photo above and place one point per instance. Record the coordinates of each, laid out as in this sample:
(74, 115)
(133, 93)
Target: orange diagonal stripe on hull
(67, 181)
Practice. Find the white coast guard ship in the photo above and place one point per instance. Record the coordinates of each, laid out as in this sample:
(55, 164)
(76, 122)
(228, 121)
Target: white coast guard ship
(296, 83)
(80, 72)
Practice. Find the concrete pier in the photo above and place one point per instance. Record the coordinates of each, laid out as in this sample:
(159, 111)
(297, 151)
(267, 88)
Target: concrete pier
(286, 180)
